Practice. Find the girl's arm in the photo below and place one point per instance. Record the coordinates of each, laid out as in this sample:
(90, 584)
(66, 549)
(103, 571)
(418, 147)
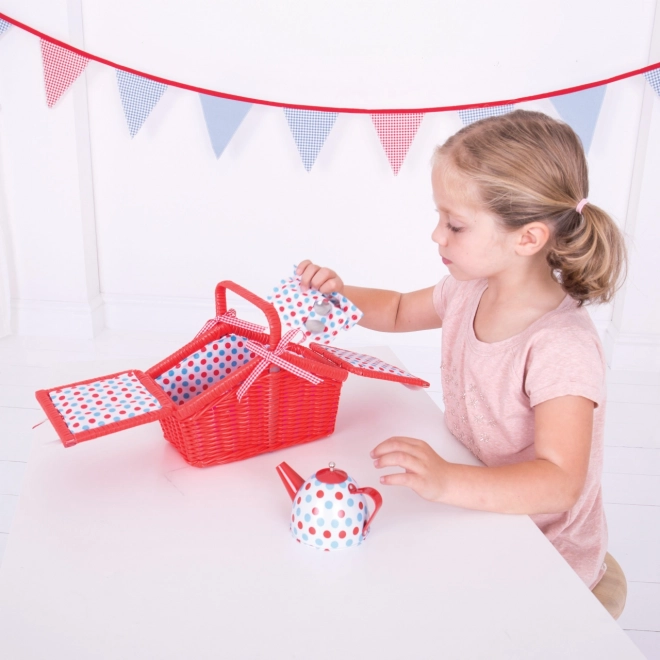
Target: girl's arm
(383, 310)
(551, 483)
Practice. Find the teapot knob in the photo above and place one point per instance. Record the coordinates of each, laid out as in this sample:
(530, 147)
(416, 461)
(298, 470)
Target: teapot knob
(331, 465)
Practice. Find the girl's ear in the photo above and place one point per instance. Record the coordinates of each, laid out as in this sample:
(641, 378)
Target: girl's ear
(532, 238)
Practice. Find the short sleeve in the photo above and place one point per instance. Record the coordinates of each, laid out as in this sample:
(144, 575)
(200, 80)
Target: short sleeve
(565, 361)
(442, 293)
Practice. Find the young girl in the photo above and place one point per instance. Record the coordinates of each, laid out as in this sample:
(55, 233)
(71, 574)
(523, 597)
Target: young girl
(523, 370)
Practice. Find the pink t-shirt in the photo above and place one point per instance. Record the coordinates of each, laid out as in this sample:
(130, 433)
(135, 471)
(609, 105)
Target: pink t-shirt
(490, 391)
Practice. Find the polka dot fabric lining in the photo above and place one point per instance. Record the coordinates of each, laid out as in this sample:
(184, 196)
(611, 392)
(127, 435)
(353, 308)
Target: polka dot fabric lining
(89, 406)
(367, 362)
(199, 371)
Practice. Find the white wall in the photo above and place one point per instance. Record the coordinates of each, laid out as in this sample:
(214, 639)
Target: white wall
(149, 225)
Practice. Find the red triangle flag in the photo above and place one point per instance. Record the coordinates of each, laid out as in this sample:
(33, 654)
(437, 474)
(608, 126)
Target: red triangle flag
(396, 133)
(61, 68)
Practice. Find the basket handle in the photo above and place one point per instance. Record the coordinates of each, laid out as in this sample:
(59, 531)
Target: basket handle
(268, 309)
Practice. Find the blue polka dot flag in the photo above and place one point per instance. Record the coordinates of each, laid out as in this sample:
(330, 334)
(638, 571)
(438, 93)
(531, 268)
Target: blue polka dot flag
(310, 129)
(580, 111)
(138, 96)
(653, 78)
(4, 26)
(223, 117)
(475, 114)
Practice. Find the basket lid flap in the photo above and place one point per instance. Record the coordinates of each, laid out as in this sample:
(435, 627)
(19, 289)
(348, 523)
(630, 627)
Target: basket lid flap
(100, 406)
(366, 365)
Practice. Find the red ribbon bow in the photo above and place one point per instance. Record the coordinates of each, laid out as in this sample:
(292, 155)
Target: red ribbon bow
(273, 357)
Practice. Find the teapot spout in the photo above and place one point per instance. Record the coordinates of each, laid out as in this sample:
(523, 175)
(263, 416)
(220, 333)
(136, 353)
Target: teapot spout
(290, 478)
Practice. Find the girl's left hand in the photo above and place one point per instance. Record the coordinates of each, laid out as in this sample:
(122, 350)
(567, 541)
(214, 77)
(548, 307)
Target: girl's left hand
(425, 472)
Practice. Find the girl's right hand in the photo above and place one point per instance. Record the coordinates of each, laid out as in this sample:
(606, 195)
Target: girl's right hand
(321, 279)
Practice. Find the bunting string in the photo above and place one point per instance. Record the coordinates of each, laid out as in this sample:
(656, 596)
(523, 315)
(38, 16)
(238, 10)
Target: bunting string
(281, 104)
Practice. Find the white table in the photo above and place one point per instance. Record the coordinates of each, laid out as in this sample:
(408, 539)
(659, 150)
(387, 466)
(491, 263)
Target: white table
(120, 550)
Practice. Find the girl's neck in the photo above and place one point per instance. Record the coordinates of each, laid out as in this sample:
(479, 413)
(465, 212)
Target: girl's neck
(513, 301)
(532, 286)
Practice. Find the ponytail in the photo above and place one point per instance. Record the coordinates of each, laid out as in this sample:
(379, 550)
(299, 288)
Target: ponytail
(588, 255)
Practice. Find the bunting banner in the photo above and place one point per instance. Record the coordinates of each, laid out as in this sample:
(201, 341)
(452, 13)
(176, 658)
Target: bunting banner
(309, 130)
(61, 68)
(138, 96)
(222, 118)
(471, 115)
(578, 106)
(396, 133)
(580, 111)
(653, 78)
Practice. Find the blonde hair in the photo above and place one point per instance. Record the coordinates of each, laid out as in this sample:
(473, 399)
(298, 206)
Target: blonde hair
(527, 167)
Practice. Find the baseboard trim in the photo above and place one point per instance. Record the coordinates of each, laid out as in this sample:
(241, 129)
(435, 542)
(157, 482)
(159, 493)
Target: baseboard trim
(632, 351)
(162, 315)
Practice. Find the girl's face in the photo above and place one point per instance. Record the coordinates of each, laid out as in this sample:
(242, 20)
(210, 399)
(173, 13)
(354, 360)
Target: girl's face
(470, 240)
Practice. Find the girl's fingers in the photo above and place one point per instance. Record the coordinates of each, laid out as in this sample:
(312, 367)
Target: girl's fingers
(400, 459)
(322, 276)
(302, 265)
(307, 274)
(400, 443)
(401, 479)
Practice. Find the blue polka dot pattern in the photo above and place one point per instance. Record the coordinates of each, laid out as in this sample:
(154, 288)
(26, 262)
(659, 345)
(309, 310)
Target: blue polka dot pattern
(325, 518)
(4, 26)
(475, 114)
(331, 312)
(102, 402)
(204, 368)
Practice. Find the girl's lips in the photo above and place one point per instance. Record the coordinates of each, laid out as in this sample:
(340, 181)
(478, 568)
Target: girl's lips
(446, 262)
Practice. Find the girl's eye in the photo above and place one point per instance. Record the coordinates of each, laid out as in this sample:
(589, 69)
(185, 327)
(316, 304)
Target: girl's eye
(454, 229)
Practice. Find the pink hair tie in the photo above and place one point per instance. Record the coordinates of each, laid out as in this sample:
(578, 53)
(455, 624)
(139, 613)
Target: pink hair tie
(581, 205)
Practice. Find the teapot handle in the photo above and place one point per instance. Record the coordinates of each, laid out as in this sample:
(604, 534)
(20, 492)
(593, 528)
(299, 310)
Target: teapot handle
(375, 496)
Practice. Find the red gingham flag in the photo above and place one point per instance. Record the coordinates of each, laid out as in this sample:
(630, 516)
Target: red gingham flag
(61, 68)
(396, 133)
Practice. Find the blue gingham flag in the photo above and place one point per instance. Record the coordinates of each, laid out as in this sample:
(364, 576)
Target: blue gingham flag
(4, 26)
(653, 78)
(138, 96)
(310, 128)
(223, 117)
(580, 111)
(475, 114)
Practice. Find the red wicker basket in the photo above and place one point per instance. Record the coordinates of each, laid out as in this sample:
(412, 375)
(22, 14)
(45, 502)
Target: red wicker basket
(209, 424)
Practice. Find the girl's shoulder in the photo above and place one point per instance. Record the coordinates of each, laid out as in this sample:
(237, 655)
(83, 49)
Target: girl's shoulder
(566, 322)
(450, 292)
(563, 354)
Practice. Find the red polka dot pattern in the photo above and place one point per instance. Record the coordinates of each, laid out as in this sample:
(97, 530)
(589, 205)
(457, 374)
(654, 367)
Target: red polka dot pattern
(204, 368)
(329, 516)
(367, 362)
(85, 406)
(330, 313)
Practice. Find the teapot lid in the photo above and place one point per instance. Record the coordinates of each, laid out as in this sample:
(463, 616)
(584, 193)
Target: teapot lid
(331, 476)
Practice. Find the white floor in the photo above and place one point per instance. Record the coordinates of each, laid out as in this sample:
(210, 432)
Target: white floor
(631, 483)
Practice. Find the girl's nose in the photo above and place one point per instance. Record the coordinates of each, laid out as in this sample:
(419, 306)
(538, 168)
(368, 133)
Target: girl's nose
(439, 236)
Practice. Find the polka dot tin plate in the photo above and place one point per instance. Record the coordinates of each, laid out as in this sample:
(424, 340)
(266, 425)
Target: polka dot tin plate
(329, 510)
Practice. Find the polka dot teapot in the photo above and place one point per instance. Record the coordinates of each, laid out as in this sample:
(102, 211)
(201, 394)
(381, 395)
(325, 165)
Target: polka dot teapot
(329, 510)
